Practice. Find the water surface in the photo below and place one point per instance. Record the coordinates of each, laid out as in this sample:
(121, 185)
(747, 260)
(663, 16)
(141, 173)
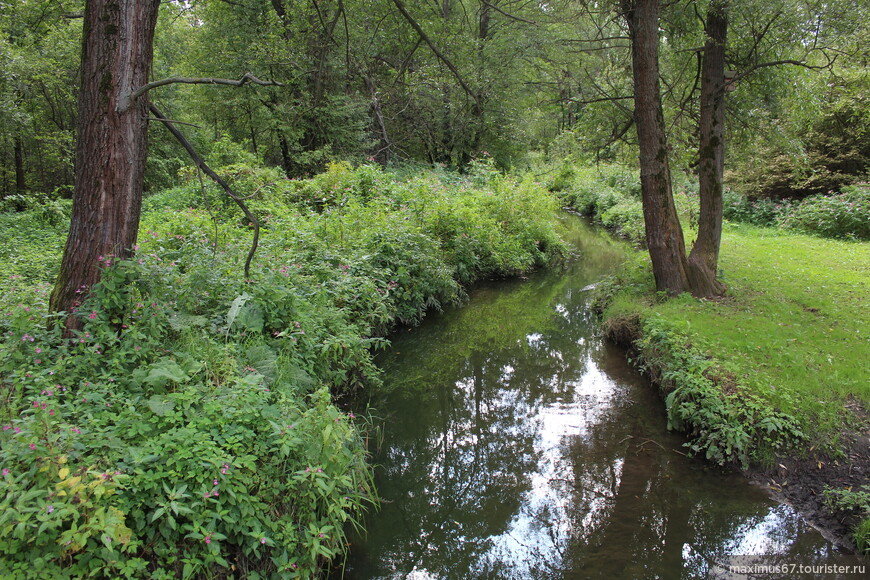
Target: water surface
(517, 444)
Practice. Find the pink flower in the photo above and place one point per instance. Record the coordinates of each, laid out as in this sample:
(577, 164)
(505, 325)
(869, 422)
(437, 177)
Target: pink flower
(208, 539)
(50, 508)
(93, 314)
(33, 446)
(5, 471)
(262, 540)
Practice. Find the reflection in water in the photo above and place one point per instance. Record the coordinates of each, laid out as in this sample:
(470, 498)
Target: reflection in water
(518, 445)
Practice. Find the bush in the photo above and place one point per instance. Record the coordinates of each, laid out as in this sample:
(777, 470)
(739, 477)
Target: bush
(760, 212)
(845, 215)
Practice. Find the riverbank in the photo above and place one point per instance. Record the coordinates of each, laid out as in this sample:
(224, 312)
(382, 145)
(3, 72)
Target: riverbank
(773, 378)
(189, 429)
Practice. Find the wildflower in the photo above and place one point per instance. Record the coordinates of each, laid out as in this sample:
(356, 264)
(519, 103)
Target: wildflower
(38, 350)
(5, 471)
(215, 482)
(50, 509)
(262, 540)
(51, 412)
(33, 446)
(92, 315)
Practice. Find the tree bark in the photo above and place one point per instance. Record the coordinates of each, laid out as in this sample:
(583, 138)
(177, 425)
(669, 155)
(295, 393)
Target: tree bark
(664, 236)
(704, 259)
(111, 148)
(20, 181)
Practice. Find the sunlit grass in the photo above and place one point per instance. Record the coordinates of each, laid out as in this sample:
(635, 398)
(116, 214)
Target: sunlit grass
(794, 327)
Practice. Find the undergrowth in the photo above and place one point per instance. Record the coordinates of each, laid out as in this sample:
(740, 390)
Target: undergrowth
(188, 430)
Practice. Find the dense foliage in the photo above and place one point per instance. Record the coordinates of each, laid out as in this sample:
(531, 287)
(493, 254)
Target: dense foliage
(844, 215)
(189, 427)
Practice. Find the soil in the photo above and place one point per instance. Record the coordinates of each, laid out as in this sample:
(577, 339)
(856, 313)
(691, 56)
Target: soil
(801, 482)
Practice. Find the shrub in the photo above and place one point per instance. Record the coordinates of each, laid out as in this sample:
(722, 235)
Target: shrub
(845, 215)
(760, 212)
(626, 219)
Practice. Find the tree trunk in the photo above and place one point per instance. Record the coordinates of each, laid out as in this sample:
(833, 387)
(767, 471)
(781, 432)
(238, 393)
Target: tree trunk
(664, 236)
(20, 182)
(704, 259)
(111, 148)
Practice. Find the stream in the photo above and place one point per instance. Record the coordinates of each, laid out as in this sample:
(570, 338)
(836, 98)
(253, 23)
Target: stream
(513, 442)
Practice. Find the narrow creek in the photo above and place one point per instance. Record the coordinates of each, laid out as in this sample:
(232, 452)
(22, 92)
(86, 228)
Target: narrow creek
(515, 443)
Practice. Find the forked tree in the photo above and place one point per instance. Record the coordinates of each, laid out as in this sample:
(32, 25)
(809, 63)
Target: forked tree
(674, 271)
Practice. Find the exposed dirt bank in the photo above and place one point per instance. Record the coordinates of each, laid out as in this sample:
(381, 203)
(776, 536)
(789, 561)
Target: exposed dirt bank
(800, 482)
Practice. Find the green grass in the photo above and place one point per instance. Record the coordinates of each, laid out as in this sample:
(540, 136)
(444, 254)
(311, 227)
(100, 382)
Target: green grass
(793, 329)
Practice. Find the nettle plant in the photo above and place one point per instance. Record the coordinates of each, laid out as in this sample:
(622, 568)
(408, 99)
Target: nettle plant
(125, 455)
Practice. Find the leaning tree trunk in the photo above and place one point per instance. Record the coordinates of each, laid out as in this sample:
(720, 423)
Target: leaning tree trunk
(704, 259)
(664, 236)
(111, 148)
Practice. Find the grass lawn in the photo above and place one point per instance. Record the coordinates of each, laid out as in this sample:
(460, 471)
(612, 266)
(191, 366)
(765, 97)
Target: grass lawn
(794, 327)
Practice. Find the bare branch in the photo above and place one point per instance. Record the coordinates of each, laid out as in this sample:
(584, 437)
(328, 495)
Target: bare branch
(125, 102)
(174, 122)
(591, 101)
(435, 51)
(799, 63)
(511, 16)
(201, 164)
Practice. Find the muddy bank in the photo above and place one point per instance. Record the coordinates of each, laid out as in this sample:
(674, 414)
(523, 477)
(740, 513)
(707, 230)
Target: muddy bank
(800, 482)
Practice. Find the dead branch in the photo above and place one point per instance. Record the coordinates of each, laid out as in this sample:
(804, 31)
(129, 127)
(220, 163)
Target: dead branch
(435, 51)
(247, 78)
(201, 164)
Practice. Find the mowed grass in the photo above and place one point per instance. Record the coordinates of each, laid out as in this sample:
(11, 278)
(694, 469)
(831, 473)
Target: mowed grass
(794, 327)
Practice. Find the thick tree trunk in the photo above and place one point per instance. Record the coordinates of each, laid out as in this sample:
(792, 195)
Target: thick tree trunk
(664, 236)
(704, 259)
(111, 147)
